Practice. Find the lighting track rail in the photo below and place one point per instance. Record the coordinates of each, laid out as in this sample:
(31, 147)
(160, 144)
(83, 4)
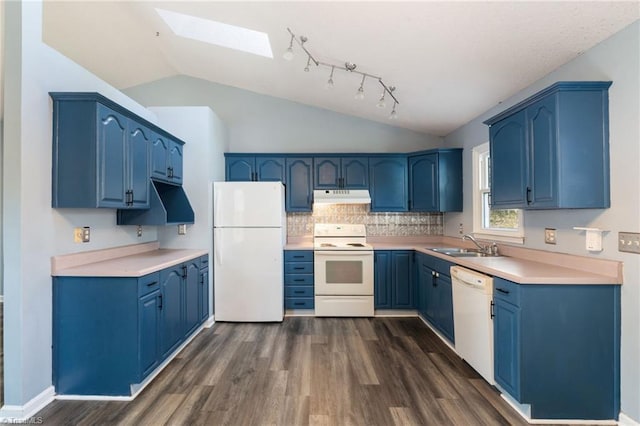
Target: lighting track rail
(348, 67)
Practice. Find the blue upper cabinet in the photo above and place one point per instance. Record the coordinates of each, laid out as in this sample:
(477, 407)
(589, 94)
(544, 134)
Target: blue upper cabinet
(299, 188)
(114, 148)
(551, 150)
(166, 159)
(435, 181)
(341, 172)
(246, 168)
(388, 183)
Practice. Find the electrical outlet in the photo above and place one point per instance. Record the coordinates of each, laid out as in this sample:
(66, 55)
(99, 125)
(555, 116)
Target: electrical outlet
(629, 242)
(182, 229)
(139, 231)
(549, 235)
(86, 234)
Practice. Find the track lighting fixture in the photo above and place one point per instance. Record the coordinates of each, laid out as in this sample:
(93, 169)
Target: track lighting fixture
(349, 67)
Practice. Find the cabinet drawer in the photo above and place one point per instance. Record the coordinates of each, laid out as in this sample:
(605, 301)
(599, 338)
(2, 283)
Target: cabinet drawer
(298, 303)
(298, 279)
(298, 255)
(298, 268)
(148, 283)
(506, 290)
(204, 261)
(296, 291)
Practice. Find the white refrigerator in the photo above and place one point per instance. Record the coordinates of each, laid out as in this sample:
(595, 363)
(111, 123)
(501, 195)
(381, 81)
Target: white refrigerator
(249, 233)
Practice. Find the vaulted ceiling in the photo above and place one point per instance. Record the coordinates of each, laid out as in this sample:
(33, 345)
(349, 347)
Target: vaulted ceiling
(450, 61)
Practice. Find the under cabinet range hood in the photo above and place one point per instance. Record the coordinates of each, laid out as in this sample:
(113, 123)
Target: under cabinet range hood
(169, 205)
(341, 196)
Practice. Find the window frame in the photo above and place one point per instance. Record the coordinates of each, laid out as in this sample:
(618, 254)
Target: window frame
(515, 236)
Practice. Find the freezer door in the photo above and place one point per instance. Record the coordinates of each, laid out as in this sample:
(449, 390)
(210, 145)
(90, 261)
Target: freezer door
(248, 204)
(248, 274)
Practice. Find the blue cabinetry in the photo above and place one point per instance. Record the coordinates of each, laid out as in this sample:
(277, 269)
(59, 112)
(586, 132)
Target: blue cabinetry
(100, 154)
(109, 333)
(166, 159)
(556, 347)
(254, 168)
(298, 279)
(552, 150)
(341, 172)
(435, 181)
(299, 186)
(394, 286)
(388, 184)
(203, 298)
(435, 298)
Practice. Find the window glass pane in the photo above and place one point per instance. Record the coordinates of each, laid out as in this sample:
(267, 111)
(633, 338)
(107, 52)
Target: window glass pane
(344, 271)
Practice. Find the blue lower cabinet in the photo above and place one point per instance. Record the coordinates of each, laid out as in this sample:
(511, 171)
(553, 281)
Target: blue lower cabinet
(203, 298)
(394, 284)
(192, 297)
(435, 297)
(111, 332)
(298, 279)
(557, 348)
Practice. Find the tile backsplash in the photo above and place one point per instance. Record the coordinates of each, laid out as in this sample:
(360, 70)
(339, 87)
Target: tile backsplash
(378, 224)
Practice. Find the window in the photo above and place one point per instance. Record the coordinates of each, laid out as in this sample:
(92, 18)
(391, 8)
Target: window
(498, 224)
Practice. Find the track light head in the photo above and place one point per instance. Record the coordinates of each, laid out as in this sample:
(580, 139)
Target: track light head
(288, 54)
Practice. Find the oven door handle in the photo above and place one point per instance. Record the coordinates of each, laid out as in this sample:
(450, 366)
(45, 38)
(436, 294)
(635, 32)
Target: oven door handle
(336, 253)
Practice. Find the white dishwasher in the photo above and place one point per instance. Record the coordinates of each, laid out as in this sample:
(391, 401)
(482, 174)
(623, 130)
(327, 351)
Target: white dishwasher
(472, 319)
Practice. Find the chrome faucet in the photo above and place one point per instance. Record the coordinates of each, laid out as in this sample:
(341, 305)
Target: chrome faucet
(489, 249)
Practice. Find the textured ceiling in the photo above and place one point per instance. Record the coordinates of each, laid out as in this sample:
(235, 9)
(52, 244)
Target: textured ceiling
(450, 61)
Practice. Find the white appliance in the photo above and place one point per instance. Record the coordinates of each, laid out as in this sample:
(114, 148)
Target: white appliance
(343, 268)
(249, 233)
(341, 196)
(473, 320)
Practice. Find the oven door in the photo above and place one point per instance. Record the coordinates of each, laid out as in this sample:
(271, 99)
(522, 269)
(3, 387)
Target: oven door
(343, 272)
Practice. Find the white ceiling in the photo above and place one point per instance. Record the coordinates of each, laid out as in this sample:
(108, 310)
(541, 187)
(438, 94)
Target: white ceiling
(450, 61)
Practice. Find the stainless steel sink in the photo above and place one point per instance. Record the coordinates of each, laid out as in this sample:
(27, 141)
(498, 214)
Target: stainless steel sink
(461, 252)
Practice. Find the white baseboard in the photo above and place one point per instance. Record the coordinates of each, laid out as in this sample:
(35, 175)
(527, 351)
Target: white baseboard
(26, 412)
(209, 322)
(396, 313)
(1, 298)
(300, 313)
(625, 420)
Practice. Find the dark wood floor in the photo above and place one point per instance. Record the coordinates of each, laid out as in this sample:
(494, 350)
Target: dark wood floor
(317, 371)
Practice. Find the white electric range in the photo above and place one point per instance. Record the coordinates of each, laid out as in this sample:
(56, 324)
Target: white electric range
(343, 264)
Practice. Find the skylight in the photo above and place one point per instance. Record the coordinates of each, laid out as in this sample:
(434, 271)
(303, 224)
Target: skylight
(217, 33)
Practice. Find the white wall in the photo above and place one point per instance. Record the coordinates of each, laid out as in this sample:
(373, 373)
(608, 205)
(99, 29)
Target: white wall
(32, 230)
(260, 123)
(616, 59)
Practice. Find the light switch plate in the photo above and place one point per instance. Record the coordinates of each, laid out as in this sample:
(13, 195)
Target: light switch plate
(549, 235)
(182, 229)
(629, 242)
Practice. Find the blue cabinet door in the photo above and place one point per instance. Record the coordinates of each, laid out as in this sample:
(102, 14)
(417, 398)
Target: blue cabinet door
(423, 276)
(149, 332)
(541, 120)
(508, 157)
(175, 162)
(138, 167)
(403, 288)
(355, 172)
(445, 306)
(388, 184)
(240, 169)
(299, 184)
(172, 299)
(270, 169)
(159, 157)
(204, 295)
(382, 279)
(112, 152)
(192, 293)
(423, 182)
(326, 172)
(506, 349)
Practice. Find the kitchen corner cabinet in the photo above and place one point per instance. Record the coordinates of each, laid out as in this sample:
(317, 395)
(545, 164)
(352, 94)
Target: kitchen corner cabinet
(110, 333)
(345, 172)
(388, 185)
(394, 286)
(298, 279)
(100, 154)
(166, 159)
(557, 348)
(435, 181)
(299, 186)
(435, 297)
(551, 150)
(246, 168)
